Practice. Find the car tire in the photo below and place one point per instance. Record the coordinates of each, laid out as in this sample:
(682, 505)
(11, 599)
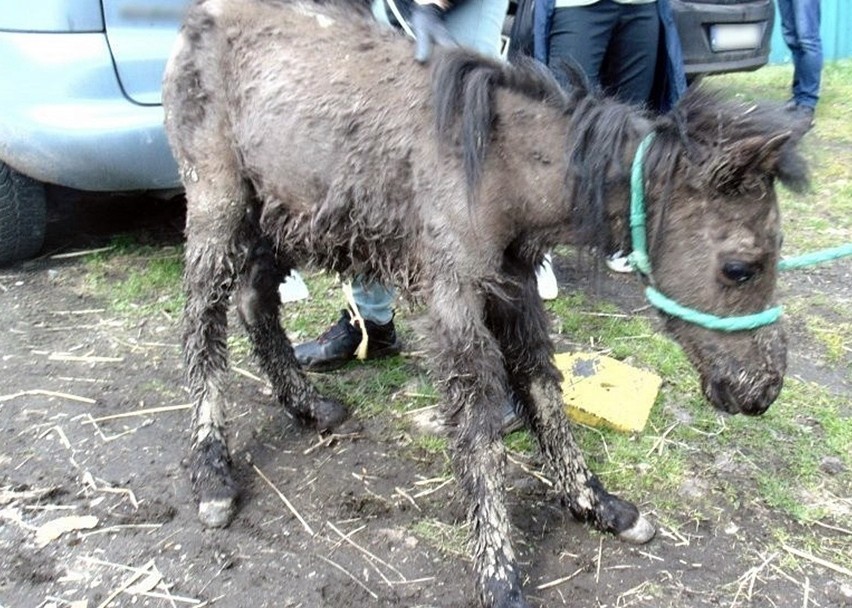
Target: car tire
(23, 215)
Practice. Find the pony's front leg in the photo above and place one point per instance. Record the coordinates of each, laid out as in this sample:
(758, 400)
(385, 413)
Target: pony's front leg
(213, 254)
(587, 499)
(520, 324)
(258, 307)
(470, 368)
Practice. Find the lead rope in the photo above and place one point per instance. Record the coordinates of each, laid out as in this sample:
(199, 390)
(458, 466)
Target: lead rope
(816, 257)
(357, 321)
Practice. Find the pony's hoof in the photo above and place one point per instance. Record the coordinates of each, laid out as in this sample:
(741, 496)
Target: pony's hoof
(639, 533)
(328, 414)
(217, 512)
(513, 601)
(500, 593)
(213, 484)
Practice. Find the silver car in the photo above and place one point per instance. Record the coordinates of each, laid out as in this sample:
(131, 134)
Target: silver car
(80, 105)
(80, 95)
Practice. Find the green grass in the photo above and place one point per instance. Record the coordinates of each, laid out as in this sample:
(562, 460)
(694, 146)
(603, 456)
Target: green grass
(449, 538)
(138, 280)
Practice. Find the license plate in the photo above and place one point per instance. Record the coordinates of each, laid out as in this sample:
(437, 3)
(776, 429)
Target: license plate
(735, 36)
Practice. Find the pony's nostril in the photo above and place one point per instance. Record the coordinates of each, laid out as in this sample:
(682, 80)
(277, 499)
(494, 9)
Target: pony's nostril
(721, 397)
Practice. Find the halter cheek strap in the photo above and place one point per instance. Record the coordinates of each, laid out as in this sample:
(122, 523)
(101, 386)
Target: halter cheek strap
(641, 262)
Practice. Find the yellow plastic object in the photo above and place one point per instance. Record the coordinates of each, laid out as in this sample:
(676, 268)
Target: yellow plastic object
(600, 390)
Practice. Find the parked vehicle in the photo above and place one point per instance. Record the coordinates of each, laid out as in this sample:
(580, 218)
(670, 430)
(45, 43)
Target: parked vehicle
(80, 95)
(80, 106)
(721, 36)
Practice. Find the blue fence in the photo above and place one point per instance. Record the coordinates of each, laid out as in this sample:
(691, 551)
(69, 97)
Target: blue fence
(836, 30)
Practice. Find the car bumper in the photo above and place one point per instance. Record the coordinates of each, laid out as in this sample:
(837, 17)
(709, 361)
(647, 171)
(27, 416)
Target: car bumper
(699, 51)
(65, 120)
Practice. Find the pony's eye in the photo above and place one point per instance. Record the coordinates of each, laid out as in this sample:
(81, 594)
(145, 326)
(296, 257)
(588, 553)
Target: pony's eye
(737, 272)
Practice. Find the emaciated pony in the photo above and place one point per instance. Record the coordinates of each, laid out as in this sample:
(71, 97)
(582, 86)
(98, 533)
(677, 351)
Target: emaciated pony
(307, 136)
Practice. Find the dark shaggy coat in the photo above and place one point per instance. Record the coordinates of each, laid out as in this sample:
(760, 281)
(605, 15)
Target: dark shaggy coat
(307, 136)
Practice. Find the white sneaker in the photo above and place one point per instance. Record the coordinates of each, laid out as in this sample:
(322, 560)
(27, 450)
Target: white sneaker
(547, 287)
(293, 288)
(619, 262)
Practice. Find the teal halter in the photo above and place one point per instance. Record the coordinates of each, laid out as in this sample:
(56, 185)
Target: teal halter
(640, 261)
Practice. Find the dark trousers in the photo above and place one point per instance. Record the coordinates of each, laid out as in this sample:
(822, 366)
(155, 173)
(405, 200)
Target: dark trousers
(615, 45)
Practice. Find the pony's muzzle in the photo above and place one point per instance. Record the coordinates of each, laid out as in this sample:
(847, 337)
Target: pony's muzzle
(742, 395)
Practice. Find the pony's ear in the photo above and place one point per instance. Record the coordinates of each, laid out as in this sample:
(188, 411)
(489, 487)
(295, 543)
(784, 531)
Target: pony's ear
(749, 156)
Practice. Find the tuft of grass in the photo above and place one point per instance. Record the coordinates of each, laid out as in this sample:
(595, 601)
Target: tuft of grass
(449, 538)
(138, 280)
(431, 444)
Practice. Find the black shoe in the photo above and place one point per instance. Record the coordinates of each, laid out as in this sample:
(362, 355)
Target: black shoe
(512, 420)
(337, 345)
(803, 116)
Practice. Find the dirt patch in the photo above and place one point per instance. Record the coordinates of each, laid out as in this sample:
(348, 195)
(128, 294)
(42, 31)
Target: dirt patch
(93, 422)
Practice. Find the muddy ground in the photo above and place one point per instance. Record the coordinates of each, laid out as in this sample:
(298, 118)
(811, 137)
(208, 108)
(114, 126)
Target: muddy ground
(76, 441)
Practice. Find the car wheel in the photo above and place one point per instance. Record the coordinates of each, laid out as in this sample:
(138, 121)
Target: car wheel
(23, 215)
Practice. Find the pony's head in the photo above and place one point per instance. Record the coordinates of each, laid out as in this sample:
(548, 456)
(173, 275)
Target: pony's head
(714, 241)
(708, 177)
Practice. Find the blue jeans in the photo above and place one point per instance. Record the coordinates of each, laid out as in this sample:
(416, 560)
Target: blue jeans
(800, 20)
(476, 24)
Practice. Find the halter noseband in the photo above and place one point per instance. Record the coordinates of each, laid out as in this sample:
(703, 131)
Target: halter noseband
(641, 262)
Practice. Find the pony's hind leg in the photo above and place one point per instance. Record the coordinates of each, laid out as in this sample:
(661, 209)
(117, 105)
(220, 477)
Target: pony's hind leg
(520, 324)
(258, 307)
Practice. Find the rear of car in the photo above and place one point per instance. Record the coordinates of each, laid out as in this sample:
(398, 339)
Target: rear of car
(80, 105)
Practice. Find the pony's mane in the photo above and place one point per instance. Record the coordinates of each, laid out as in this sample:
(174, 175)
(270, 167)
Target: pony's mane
(463, 86)
(705, 120)
(599, 129)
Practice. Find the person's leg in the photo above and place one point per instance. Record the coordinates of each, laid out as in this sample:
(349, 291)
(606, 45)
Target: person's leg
(631, 59)
(478, 24)
(807, 56)
(788, 23)
(581, 34)
(374, 301)
(339, 344)
(788, 33)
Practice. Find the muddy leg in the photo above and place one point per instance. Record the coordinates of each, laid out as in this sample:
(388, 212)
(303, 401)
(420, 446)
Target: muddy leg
(586, 497)
(474, 388)
(258, 306)
(213, 254)
(522, 330)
